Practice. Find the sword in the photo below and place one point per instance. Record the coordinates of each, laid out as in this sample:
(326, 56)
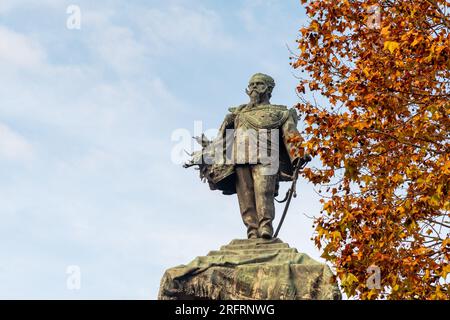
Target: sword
(292, 191)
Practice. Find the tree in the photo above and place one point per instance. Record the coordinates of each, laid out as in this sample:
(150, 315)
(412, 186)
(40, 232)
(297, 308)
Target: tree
(383, 140)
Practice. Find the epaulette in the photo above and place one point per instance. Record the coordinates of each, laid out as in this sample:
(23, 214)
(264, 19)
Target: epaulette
(280, 106)
(236, 109)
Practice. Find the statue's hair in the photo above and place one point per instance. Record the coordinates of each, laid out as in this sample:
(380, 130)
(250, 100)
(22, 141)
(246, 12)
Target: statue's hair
(268, 80)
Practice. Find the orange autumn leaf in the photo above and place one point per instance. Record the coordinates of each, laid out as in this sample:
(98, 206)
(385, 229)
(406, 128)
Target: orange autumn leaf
(379, 123)
(391, 46)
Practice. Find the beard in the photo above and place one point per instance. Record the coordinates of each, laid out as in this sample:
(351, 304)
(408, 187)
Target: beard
(255, 97)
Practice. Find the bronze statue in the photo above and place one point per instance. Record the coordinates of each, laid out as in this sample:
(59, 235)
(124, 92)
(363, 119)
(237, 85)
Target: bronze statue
(251, 155)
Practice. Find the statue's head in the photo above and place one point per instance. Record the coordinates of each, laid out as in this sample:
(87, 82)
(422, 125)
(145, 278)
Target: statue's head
(260, 88)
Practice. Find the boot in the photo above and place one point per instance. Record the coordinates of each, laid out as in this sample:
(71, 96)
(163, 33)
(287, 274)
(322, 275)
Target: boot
(266, 232)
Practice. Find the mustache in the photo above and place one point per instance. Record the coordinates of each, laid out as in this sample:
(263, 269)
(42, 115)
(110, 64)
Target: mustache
(250, 92)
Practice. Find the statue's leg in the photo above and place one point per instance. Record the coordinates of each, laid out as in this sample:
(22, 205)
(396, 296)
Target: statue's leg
(246, 197)
(265, 185)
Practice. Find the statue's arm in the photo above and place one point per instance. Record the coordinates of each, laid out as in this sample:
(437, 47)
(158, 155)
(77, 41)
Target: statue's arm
(289, 130)
(228, 123)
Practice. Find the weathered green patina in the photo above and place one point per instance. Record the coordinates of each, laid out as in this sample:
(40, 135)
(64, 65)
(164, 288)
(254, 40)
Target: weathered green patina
(251, 269)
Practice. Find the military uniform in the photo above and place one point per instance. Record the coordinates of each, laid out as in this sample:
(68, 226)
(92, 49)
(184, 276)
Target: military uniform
(255, 182)
(251, 155)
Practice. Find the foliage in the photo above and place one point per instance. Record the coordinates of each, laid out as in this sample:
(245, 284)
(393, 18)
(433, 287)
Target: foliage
(383, 140)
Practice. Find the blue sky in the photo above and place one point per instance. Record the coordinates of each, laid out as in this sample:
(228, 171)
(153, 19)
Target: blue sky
(86, 118)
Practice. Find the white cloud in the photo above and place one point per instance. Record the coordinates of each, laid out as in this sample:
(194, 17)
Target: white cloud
(249, 14)
(101, 191)
(13, 146)
(176, 27)
(127, 46)
(7, 6)
(113, 44)
(19, 50)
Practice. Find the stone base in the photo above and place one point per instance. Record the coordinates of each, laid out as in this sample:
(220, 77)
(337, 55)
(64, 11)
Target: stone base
(254, 269)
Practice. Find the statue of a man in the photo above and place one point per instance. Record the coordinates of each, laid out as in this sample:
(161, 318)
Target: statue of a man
(258, 134)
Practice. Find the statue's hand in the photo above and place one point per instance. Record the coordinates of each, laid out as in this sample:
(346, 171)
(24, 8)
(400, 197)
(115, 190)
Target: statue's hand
(307, 157)
(302, 160)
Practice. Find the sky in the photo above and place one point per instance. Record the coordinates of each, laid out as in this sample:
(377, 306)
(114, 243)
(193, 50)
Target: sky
(87, 121)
